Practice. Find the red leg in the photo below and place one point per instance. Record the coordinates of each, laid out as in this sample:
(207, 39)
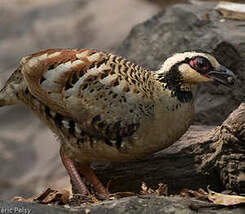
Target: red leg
(73, 173)
(92, 178)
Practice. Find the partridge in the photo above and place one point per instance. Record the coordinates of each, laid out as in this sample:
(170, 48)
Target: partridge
(103, 107)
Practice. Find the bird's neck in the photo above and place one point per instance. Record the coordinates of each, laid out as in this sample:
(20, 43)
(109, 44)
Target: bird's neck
(172, 81)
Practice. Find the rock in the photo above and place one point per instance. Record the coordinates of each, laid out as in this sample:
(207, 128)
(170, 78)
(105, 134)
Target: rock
(131, 205)
(192, 27)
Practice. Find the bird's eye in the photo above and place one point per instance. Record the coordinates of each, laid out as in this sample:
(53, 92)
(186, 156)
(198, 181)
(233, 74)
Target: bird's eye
(200, 64)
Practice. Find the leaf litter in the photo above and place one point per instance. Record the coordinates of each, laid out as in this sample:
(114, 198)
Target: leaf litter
(64, 197)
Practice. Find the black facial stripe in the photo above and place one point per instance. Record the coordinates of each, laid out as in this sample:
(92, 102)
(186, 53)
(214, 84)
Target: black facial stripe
(173, 77)
(173, 80)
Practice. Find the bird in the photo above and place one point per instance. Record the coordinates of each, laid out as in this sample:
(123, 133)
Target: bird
(104, 107)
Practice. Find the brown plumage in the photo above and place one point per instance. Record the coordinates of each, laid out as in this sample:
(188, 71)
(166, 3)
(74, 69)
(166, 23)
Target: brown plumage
(103, 107)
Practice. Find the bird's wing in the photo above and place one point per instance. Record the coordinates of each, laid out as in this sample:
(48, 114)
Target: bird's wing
(102, 92)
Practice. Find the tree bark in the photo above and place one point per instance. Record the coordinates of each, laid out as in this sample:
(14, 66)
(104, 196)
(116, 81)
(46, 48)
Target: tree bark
(224, 153)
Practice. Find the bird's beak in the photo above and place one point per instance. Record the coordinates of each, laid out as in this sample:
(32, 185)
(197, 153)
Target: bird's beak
(222, 75)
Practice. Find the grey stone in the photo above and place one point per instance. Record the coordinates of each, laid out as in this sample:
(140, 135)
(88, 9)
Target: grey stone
(148, 204)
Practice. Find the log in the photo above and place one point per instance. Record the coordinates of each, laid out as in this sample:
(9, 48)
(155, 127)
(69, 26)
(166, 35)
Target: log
(204, 156)
(224, 153)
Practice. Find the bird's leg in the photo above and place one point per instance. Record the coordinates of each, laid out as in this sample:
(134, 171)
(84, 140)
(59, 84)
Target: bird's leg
(73, 173)
(92, 179)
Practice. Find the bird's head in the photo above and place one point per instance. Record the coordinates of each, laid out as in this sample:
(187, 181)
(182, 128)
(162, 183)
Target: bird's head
(188, 69)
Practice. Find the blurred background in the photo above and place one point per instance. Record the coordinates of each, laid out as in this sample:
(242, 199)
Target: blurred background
(28, 150)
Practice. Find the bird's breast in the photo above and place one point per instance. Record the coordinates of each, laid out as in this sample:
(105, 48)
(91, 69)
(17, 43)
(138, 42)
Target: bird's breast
(167, 125)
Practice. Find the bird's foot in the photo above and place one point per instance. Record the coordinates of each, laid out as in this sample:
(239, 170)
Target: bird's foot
(74, 175)
(88, 174)
(101, 191)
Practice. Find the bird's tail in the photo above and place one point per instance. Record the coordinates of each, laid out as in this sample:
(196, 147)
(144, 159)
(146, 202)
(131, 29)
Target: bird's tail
(10, 89)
